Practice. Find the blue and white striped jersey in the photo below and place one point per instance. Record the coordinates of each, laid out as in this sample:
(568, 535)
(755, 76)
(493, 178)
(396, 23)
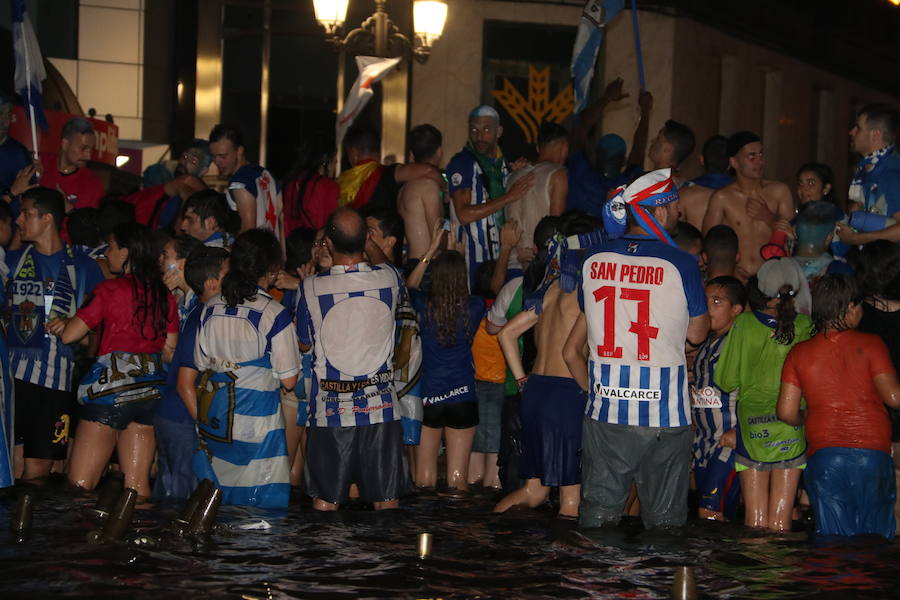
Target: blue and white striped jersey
(714, 410)
(247, 332)
(348, 315)
(482, 237)
(638, 296)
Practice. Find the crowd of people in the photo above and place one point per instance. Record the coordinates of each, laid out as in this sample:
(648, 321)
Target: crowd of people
(581, 323)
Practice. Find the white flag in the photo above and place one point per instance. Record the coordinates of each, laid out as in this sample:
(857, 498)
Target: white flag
(371, 70)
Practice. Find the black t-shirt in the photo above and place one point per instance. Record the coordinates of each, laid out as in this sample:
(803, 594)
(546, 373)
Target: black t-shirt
(384, 196)
(887, 326)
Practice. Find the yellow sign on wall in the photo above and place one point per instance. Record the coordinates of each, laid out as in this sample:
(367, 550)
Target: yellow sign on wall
(538, 107)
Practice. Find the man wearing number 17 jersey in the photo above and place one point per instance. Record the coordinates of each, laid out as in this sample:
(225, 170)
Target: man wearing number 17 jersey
(642, 299)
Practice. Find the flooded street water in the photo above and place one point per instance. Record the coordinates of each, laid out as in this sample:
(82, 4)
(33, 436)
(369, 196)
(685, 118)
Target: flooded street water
(476, 554)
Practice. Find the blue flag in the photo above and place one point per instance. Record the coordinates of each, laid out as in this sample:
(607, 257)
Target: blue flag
(597, 13)
(29, 64)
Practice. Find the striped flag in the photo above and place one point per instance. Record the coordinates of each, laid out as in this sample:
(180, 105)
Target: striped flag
(29, 64)
(597, 13)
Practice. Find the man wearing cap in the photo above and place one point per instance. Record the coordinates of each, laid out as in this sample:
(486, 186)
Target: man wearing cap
(592, 177)
(642, 300)
(876, 184)
(751, 205)
(477, 180)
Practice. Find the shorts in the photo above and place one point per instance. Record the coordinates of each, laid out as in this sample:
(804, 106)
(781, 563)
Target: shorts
(852, 491)
(120, 416)
(370, 456)
(42, 421)
(455, 415)
(490, 408)
(742, 463)
(551, 409)
(718, 486)
(657, 459)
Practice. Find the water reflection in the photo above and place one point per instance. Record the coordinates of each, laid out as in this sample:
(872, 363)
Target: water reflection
(476, 554)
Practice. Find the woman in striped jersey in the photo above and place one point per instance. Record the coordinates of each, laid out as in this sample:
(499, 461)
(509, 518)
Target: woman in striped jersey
(246, 350)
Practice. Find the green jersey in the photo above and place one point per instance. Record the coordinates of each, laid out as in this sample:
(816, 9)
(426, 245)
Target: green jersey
(751, 362)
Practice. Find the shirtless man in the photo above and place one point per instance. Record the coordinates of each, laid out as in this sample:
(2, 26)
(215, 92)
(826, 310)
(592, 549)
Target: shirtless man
(696, 193)
(548, 194)
(751, 205)
(419, 201)
(552, 404)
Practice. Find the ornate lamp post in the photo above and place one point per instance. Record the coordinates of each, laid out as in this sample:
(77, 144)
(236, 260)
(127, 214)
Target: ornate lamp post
(378, 36)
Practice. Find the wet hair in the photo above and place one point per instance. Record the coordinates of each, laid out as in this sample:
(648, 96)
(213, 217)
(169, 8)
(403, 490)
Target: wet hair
(483, 276)
(884, 118)
(150, 294)
(825, 175)
(571, 222)
(298, 248)
(785, 311)
(48, 202)
(351, 240)
(390, 224)
(209, 203)
(83, 228)
(424, 141)
(223, 131)
(112, 214)
(739, 140)
(688, 237)
(312, 155)
(184, 245)
(551, 132)
(878, 270)
(254, 253)
(831, 297)
(203, 264)
(544, 231)
(364, 138)
(721, 244)
(76, 126)
(734, 289)
(447, 304)
(681, 137)
(715, 154)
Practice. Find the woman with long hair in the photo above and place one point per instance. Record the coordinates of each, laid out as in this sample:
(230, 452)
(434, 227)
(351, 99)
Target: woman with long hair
(246, 349)
(310, 196)
(448, 318)
(119, 393)
(769, 454)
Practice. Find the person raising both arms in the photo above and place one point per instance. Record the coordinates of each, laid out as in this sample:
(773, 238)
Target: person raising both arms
(751, 205)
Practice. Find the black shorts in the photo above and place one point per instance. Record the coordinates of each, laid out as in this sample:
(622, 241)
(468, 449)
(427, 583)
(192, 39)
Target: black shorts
(370, 456)
(43, 418)
(455, 415)
(119, 416)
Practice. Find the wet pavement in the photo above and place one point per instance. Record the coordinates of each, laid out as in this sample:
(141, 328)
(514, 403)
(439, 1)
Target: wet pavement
(358, 553)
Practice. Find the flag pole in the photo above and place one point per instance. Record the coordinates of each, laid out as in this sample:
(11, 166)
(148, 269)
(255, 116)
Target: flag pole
(637, 45)
(34, 145)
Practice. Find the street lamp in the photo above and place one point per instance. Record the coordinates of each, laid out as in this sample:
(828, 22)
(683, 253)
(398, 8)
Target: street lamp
(377, 35)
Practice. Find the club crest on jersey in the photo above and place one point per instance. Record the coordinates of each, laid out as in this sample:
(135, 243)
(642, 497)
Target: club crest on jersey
(632, 247)
(26, 320)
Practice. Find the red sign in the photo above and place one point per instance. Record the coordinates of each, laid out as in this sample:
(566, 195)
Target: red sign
(105, 151)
